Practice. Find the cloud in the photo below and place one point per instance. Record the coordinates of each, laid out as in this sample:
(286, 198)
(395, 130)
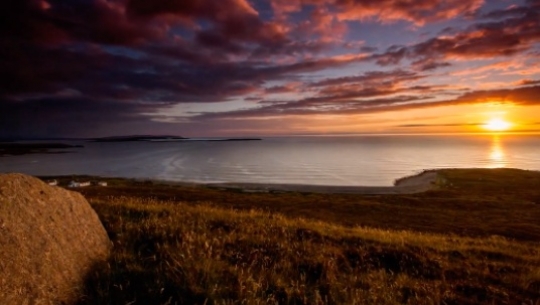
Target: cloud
(418, 12)
(123, 50)
(347, 104)
(69, 116)
(287, 88)
(528, 82)
(521, 96)
(230, 19)
(213, 10)
(104, 61)
(517, 32)
(384, 77)
(56, 21)
(438, 125)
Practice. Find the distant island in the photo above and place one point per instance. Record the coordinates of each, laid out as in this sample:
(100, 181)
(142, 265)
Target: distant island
(15, 148)
(148, 138)
(136, 138)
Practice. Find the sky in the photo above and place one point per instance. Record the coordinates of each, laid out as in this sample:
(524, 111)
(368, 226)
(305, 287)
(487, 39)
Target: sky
(89, 68)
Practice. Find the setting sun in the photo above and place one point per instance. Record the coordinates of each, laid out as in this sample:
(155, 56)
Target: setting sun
(497, 124)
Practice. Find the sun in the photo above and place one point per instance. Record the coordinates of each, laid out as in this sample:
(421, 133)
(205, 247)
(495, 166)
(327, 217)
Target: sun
(497, 124)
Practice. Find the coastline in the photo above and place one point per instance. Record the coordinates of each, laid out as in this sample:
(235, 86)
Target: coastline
(421, 182)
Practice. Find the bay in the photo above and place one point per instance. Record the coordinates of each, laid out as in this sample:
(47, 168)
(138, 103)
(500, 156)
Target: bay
(314, 160)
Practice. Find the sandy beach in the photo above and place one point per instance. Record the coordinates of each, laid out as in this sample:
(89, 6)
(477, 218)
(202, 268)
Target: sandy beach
(408, 185)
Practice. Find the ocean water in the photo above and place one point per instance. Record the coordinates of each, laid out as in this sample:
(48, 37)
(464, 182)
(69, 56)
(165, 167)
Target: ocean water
(324, 160)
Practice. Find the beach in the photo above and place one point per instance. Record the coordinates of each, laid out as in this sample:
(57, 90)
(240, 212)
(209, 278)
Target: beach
(407, 185)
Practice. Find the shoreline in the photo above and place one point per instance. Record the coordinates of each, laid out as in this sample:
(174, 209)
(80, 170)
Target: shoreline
(421, 182)
(418, 183)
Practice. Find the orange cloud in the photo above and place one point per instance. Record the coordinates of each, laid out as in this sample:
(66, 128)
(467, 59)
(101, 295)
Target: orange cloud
(418, 12)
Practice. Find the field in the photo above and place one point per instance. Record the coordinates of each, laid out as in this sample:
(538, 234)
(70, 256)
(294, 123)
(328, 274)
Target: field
(473, 239)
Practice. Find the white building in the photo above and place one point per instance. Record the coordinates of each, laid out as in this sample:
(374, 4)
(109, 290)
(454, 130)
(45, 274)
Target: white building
(74, 184)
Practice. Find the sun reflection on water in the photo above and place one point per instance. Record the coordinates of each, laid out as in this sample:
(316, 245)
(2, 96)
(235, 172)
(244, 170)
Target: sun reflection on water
(497, 156)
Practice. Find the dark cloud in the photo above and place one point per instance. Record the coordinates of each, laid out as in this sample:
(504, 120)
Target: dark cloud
(178, 70)
(347, 104)
(528, 82)
(93, 63)
(68, 116)
(56, 21)
(287, 88)
(521, 96)
(231, 20)
(428, 65)
(384, 77)
(516, 30)
(330, 105)
(512, 11)
(225, 10)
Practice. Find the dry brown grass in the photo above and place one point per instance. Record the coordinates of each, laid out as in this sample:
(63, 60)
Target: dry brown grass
(478, 203)
(174, 253)
(474, 240)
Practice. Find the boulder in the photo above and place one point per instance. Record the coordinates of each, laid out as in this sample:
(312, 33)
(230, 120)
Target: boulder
(50, 238)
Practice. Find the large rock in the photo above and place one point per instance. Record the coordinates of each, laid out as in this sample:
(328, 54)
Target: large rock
(49, 239)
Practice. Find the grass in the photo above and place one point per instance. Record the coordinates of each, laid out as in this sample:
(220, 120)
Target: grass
(473, 240)
(480, 203)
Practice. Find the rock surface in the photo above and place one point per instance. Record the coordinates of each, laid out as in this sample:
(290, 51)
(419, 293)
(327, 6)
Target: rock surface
(49, 239)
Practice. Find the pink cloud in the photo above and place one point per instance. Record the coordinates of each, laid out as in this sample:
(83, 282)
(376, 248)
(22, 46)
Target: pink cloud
(415, 11)
(517, 34)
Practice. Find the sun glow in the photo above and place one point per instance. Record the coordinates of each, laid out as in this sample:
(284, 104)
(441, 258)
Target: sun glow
(497, 124)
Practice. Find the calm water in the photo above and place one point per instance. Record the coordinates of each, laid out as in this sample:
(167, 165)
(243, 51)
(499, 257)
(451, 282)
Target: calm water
(347, 160)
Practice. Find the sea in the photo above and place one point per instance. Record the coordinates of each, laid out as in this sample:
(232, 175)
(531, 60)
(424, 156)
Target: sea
(368, 160)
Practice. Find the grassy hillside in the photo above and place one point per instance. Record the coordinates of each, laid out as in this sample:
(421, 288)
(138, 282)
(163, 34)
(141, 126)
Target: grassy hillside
(474, 240)
(479, 202)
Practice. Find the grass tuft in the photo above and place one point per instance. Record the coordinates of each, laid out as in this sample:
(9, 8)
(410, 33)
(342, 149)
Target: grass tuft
(176, 253)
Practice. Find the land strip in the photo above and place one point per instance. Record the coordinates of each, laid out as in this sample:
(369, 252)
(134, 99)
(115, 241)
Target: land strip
(473, 238)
